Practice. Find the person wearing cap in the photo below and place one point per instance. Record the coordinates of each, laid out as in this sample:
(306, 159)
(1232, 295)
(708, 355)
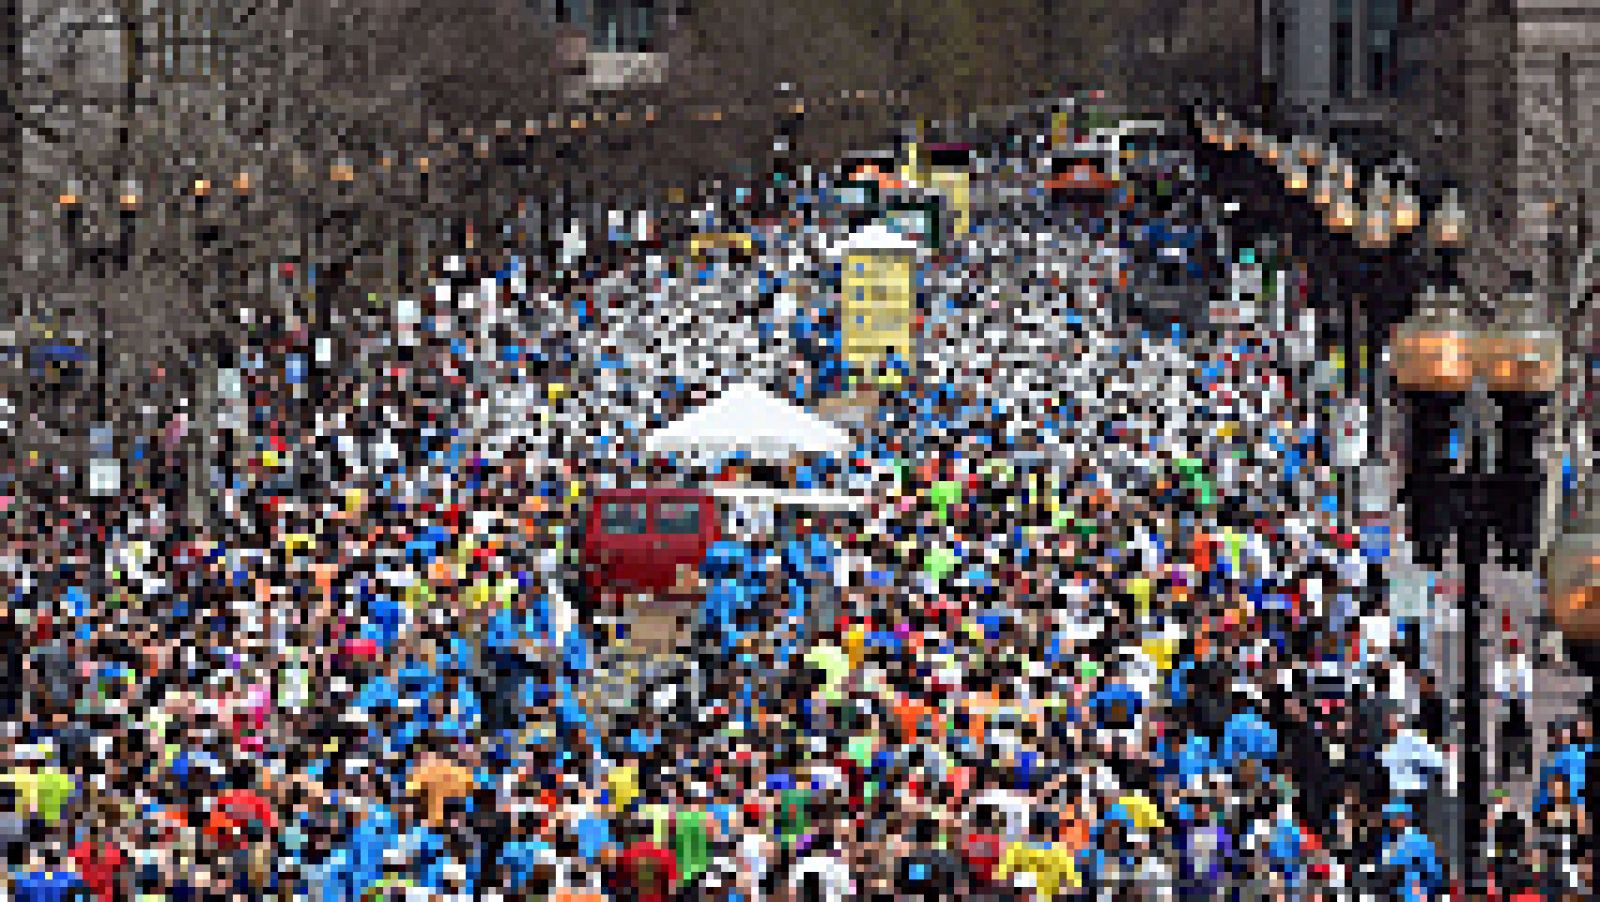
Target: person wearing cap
(1409, 859)
(588, 824)
(1109, 858)
(458, 883)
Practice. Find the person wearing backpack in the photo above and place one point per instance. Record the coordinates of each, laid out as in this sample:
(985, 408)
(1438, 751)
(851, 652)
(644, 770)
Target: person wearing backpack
(822, 875)
(927, 872)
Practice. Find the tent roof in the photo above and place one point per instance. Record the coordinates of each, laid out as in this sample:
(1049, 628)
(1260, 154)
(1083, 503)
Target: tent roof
(793, 498)
(747, 418)
(876, 237)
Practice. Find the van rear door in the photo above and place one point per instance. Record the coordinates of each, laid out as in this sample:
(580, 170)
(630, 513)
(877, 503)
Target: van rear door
(678, 534)
(620, 537)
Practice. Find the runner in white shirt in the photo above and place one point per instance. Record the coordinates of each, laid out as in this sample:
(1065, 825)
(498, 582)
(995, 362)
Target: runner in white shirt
(1513, 683)
(753, 863)
(821, 877)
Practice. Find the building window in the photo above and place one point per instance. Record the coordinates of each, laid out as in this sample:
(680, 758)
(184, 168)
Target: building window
(573, 12)
(192, 38)
(1280, 47)
(627, 26)
(1383, 17)
(1343, 49)
(1380, 69)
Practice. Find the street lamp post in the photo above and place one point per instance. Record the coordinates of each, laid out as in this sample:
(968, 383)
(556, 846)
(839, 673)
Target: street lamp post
(1572, 564)
(1340, 217)
(1455, 373)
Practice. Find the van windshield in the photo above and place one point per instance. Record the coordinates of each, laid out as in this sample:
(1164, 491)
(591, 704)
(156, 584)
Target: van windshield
(626, 518)
(678, 518)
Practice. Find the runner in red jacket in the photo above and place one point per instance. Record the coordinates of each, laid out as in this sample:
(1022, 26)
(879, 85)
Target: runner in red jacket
(98, 864)
(646, 871)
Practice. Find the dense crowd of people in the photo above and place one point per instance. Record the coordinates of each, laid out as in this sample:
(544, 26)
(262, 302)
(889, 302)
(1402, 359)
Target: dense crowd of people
(1102, 629)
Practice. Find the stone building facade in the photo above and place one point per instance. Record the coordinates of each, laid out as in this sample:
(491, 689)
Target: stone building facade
(614, 44)
(1495, 96)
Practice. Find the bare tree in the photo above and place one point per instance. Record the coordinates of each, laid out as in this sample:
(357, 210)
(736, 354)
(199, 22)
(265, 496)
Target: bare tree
(164, 176)
(337, 134)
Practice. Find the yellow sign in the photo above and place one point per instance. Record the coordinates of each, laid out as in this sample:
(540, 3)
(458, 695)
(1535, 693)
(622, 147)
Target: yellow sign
(956, 186)
(729, 242)
(911, 171)
(877, 305)
(1060, 130)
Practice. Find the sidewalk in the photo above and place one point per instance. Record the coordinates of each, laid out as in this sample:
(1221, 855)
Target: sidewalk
(1558, 690)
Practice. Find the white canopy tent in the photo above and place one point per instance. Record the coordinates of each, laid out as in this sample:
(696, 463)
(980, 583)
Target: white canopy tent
(813, 500)
(874, 237)
(749, 419)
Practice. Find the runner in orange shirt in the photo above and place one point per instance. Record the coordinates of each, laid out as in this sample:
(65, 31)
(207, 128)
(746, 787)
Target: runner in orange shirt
(439, 781)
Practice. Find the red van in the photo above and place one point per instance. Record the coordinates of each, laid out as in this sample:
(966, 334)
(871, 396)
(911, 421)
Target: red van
(637, 540)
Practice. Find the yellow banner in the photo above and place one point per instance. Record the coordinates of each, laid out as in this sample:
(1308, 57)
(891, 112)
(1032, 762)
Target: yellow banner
(877, 306)
(956, 186)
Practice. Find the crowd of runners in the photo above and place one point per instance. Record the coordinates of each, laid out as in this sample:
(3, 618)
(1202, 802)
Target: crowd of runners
(1103, 628)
